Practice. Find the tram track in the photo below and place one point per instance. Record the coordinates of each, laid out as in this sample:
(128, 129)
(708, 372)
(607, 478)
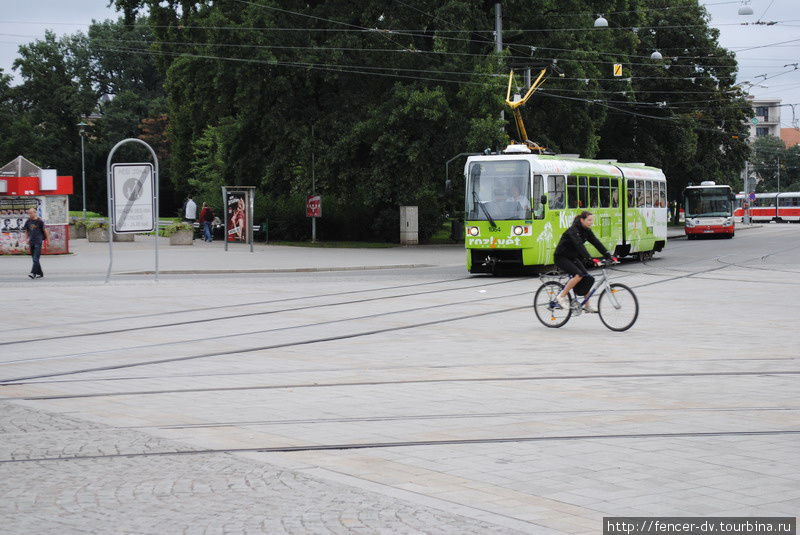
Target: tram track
(406, 444)
(236, 305)
(458, 416)
(21, 379)
(500, 379)
(250, 333)
(245, 315)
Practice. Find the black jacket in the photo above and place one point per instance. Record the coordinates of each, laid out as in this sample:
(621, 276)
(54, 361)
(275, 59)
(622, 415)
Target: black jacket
(571, 243)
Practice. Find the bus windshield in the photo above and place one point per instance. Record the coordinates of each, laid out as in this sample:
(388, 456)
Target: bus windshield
(708, 202)
(498, 190)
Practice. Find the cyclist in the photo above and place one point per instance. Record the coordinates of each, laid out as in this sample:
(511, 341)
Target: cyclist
(570, 255)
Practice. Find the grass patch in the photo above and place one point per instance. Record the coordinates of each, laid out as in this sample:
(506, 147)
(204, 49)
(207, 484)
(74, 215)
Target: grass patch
(79, 213)
(337, 244)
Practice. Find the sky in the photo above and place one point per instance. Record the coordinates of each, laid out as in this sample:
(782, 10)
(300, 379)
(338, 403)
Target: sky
(22, 21)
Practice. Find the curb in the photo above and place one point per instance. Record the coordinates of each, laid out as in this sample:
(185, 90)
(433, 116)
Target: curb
(275, 270)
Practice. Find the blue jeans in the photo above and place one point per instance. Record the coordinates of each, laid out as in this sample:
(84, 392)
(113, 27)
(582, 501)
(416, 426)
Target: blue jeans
(36, 252)
(207, 231)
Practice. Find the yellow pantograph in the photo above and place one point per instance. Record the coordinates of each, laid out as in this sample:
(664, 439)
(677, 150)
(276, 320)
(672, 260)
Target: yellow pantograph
(517, 104)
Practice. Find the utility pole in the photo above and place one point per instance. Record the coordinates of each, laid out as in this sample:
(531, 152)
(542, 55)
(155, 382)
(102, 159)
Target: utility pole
(779, 174)
(498, 40)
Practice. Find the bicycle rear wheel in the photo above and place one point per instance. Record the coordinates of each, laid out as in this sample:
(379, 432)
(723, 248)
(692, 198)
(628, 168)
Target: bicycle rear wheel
(547, 308)
(618, 308)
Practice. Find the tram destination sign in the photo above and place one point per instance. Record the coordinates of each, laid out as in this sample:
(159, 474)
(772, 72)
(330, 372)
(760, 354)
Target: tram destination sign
(133, 191)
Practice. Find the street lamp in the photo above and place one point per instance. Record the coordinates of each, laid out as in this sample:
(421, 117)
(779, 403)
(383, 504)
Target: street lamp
(600, 22)
(745, 9)
(656, 55)
(82, 131)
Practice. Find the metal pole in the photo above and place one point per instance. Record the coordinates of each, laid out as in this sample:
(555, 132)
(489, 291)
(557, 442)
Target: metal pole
(110, 223)
(83, 176)
(250, 195)
(225, 217)
(779, 174)
(746, 216)
(313, 187)
(498, 40)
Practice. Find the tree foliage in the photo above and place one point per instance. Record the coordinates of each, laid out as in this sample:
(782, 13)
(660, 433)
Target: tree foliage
(379, 96)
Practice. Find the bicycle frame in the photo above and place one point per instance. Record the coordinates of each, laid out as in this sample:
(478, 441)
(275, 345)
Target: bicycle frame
(600, 283)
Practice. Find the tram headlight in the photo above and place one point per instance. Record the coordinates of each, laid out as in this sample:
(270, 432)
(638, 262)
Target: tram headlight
(728, 222)
(689, 223)
(473, 231)
(518, 230)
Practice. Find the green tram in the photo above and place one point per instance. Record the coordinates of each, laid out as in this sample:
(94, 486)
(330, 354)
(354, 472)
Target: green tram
(518, 204)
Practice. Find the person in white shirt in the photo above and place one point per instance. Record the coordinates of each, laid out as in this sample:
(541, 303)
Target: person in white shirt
(524, 202)
(190, 211)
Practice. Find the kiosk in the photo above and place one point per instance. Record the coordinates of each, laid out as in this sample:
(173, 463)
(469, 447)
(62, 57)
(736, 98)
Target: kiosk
(24, 185)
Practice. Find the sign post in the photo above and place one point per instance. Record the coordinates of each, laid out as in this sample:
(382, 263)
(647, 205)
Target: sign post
(132, 199)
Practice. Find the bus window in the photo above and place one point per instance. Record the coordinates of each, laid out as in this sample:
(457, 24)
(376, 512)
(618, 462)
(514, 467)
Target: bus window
(583, 183)
(593, 193)
(572, 191)
(555, 192)
(603, 199)
(631, 193)
(538, 191)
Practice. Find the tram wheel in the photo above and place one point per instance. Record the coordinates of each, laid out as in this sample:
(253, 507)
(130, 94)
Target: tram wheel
(546, 307)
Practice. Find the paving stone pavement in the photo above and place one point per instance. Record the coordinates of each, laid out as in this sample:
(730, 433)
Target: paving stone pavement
(111, 492)
(499, 424)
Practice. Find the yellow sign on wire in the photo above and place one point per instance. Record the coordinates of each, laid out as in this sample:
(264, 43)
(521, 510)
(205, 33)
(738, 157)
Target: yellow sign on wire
(618, 69)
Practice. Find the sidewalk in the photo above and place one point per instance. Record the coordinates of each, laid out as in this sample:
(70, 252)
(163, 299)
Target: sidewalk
(138, 257)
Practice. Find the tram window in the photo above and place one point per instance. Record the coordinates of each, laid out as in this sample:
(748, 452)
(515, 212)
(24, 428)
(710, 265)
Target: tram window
(583, 184)
(555, 192)
(614, 193)
(572, 191)
(662, 194)
(648, 193)
(593, 193)
(538, 191)
(639, 193)
(631, 193)
(603, 193)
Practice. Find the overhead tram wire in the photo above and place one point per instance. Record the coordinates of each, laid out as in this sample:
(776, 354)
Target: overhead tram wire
(356, 70)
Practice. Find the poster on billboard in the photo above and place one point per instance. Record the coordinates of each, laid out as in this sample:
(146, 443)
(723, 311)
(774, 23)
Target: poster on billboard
(236, 206)
(13, 215)
(133, 192)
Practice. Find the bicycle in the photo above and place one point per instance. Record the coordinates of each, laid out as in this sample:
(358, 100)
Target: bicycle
(617, 305)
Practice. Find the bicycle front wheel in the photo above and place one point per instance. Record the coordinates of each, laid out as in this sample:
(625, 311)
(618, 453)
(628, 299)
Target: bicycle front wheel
(618, 307)
(547, 308)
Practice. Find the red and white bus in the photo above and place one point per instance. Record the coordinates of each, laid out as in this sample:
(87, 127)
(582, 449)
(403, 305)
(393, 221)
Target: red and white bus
(708, 210)
(770, 207)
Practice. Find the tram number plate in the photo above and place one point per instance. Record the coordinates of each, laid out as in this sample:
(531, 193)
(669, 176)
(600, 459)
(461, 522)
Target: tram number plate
(708, 231)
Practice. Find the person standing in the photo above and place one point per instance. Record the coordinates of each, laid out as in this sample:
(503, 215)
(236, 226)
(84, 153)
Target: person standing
(206, 217)
(37, 234)
(190, 211)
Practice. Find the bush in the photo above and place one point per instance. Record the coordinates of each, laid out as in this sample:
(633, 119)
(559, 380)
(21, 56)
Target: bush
(177, 227)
